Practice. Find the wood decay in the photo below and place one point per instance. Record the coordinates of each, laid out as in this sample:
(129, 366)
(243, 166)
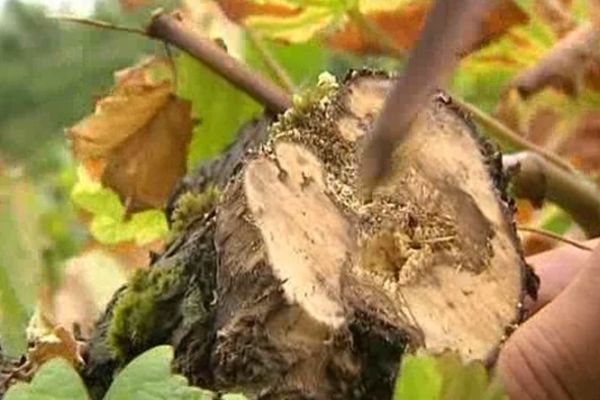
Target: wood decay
(292, 288)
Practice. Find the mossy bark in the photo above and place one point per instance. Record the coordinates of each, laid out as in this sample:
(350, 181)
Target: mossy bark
(293, 287)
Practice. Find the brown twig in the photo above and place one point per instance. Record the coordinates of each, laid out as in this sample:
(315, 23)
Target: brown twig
(171, 30)
(271, 63)
(449, 28)
(98, 24)
(506, 136)
(556, 237)
(537, 180)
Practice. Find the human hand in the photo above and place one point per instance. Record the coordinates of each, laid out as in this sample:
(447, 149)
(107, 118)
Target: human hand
(555, 355)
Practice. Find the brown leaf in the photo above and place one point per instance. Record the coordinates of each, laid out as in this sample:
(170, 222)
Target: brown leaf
(137, 139)
(564, 66)
(145, 168)
(57, 343)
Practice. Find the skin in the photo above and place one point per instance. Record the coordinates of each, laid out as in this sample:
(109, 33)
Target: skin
(555, 355)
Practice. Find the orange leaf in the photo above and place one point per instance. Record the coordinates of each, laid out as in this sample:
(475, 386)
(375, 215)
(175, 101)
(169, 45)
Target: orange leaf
(404, 25)
(525, 211)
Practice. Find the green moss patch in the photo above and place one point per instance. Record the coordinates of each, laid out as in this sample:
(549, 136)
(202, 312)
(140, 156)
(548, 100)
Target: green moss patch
(191, 206)
(147, 311)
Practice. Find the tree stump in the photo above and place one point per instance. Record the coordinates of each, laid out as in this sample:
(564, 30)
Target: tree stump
(290, 286)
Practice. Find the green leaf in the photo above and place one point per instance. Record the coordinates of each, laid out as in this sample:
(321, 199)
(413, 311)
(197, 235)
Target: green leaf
(149, 376)
(465, 382)
(56, 380)
(13, 317)
(302, 62)
(109, 225)
(419, 379)
(444, 377)
(220, 107)
(21, 248)
(555, 220)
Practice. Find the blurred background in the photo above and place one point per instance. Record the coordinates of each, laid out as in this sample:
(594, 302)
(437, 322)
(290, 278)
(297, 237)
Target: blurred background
(51, 73)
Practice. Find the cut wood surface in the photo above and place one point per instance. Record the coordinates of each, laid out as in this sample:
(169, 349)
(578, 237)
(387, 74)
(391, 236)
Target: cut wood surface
(317, 294)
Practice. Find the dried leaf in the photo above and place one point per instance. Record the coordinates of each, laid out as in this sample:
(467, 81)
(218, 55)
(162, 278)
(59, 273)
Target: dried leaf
(60, 343)
(144, 169)
(138, 137)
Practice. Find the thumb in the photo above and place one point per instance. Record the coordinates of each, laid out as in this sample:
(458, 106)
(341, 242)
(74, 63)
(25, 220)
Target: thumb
(556, 354)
